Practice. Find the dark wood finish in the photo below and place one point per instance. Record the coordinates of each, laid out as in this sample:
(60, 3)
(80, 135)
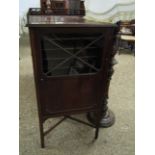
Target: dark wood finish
(61, 7)
(129, 36)
(128, 25)
(81, 91)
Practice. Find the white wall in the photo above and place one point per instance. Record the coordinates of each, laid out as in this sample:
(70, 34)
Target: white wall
(24, 5)
(100, 6)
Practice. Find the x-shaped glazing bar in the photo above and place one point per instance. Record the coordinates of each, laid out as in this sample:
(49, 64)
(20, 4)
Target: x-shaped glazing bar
(72, 55)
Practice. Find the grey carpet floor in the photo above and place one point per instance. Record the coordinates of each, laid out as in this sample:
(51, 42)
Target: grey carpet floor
(72, 138)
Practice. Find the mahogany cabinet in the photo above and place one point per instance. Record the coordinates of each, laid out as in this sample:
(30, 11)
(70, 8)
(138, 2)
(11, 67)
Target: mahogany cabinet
(72, 62)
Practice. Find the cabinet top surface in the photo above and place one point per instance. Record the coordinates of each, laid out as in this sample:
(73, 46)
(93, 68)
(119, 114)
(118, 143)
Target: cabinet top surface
(63, 21)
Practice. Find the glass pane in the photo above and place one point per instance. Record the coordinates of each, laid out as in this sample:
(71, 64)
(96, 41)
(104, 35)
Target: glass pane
(71, 54)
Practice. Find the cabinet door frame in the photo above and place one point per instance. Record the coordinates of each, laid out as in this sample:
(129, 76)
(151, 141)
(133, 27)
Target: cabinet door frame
(40, 78)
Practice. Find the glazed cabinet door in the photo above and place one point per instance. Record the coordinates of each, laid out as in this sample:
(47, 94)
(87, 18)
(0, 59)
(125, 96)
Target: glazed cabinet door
(70, 64)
